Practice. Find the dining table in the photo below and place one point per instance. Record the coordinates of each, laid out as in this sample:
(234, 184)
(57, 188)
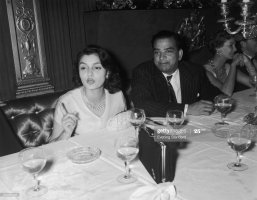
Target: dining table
(201, 167)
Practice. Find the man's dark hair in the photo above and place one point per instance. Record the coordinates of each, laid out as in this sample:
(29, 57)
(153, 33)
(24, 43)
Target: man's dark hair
(113, 81)
(168, 34)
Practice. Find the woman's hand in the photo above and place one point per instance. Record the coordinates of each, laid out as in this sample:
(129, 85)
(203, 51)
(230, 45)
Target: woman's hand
(237, 60)
(249, 66)
(69, 121)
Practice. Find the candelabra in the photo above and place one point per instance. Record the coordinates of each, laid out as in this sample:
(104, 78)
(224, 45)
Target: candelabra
(246, 25)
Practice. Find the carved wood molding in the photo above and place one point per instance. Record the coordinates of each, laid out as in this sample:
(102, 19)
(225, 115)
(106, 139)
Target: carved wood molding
(28, 47)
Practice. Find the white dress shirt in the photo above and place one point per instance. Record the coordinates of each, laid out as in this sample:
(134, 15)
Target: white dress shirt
(175, 82)
(250, 57)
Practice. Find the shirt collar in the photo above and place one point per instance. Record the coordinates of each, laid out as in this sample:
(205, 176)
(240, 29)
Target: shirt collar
(250, 57)
(174, 74)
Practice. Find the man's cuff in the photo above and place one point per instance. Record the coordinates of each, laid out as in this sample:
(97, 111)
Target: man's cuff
(185, 109)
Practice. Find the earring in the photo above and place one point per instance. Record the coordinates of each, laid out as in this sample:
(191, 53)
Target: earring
(218, 53)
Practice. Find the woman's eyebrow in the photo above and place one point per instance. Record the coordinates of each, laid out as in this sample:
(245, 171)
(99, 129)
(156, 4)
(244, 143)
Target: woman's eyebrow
(93, 63)
(96, 63)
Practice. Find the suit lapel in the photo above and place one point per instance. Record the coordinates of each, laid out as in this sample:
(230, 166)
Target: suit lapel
(161, 87)
(185, 78)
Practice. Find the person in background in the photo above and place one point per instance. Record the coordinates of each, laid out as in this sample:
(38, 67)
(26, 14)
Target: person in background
(155, 91)
(224, 74)
(97, 99)
(247, 47)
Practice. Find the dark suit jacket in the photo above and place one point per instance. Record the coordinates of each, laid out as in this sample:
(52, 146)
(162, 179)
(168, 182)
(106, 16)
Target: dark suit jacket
(150, 89)
(240, 86)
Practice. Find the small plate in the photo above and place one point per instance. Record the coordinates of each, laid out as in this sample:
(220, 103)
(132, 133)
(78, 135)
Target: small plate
(82, 155)
(220, 131)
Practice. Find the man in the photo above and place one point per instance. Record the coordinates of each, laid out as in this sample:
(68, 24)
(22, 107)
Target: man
(192, 92)
(249, 48)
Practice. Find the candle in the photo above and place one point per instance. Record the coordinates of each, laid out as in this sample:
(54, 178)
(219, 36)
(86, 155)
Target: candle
(223, 1)
(246, 1)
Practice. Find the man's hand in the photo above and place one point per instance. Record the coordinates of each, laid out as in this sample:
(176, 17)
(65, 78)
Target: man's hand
(200, 108)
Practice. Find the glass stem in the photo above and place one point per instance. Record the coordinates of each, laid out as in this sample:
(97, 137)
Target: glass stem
(136, 131)
(238, 159)
(127, 175)
(37, 185)
(222, 117)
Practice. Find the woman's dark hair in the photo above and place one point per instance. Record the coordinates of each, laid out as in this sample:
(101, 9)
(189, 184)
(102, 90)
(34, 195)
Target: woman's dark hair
(168, 34)
(218, 39)
(113, 81)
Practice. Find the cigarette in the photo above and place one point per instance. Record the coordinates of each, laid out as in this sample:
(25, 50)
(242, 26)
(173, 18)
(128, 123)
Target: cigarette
(64, 108)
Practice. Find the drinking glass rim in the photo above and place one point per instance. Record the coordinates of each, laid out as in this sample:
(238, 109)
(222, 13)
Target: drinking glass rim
(131, 137)
(29, 148)
(182, 113)
(225, 95)
(137, 109)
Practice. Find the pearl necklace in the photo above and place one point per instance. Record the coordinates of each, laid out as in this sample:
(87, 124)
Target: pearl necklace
(96, 107)
(220, 73)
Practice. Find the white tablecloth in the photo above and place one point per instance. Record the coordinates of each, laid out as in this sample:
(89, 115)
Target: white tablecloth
(201, 171)
(66, 180)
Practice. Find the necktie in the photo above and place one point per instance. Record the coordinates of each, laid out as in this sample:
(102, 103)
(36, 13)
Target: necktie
(171, 90)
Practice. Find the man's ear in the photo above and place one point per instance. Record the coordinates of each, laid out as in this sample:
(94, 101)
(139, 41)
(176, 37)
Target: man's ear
(180, 54)
(242, 43)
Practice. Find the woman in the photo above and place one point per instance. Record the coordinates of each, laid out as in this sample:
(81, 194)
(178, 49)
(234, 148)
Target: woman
(90, 106)
(220, 72)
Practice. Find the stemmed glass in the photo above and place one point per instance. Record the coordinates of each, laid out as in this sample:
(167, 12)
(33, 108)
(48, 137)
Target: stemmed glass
(137, 118)
(223, 104)
(33, 161)
(239, 140)
(127, 149)
(253, 82)
(174, 118)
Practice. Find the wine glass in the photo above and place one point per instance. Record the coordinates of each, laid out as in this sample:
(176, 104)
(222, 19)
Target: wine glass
(174, 118)
(33, 161)
(239, 140)
(223, 104)
(137, 118)
(127, 149)
(253, 82)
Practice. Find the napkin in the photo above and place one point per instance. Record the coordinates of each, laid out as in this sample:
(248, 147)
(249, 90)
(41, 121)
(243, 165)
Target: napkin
(119, 122)
(162, 191)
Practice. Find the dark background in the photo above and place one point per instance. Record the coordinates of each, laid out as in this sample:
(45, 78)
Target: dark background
(64, 32)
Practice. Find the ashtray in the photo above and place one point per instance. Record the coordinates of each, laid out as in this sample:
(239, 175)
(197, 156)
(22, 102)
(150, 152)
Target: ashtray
(82, 155)
(220, 130)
